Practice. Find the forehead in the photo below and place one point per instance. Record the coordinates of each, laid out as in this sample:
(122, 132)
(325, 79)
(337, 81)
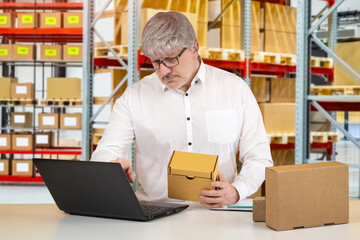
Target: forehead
(161, 55)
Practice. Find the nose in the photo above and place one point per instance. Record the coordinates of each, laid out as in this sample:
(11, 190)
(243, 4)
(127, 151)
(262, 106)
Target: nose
(163, 70)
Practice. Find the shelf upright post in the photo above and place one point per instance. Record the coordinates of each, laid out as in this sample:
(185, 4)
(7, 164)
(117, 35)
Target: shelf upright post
(133, 72)
(246, 36)
(302, 81)
(87, 81)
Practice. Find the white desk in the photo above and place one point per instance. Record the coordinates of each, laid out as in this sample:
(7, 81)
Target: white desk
(45, 221)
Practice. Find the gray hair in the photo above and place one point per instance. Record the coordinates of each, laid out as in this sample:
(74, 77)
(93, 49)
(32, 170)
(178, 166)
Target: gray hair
(166, 33)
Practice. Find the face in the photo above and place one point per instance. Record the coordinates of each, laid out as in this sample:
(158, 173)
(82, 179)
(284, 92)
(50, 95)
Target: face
(180, 76)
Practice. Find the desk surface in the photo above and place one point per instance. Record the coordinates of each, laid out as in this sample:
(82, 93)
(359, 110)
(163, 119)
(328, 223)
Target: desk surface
(46, 221)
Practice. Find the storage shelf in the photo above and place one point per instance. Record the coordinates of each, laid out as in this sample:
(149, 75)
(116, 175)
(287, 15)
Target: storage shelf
(21, 179)
(288, 146)
(41, 6)
(54, 151)
(61, 35)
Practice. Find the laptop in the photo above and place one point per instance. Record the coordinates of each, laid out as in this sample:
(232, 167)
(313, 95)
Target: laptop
(98, 189)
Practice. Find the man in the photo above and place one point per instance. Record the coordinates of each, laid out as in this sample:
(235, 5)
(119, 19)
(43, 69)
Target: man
(186, 106)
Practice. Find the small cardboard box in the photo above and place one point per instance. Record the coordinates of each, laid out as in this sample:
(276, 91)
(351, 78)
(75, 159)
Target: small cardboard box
(4, 167)
(73, 19)
(190, 173)
(283, 90)
(5, 141)
(5, 86)
(72, 53)
(22, 168)
(27, 20)
(48, 120)
(278, 117)
(22, 90)
(23, 52)
(7, 20)
(259, 209)
(307, 195)
(70, 121)
(21, 119)
(50, 52)
(6, 52)
(22, 142)
(63, 88)
(44, 139)
(51, 20)
(109, 26)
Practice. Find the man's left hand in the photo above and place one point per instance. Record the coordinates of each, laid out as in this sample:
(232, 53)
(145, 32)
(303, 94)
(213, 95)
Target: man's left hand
(224, 195)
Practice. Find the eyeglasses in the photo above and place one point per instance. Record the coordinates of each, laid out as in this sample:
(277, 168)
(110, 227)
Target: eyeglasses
(167, 62)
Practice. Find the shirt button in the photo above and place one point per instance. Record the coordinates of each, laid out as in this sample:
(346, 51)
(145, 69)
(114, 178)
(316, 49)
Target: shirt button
(189, 143)
(188, 119)
(186, 94)
(196, 81)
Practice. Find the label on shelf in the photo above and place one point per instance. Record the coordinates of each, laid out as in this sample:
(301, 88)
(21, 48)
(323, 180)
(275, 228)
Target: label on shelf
(70, 121)
(2, 167)
(48, 120)
(73, 51)
(42, 139)
(50, 21)
(22, 167)
(22, 142)
(3, 142)
(27, 19)
(50, 52)
(73, 19)
(3, 20)
(19, 118)
(3, 52)
(21, 90)
(22, 50)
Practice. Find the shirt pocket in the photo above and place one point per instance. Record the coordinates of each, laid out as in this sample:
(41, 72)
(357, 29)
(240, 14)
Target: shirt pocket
(221, 125)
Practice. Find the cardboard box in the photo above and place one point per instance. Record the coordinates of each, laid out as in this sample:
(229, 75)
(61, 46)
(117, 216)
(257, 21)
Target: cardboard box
(22, 90)
(283, 90)
(72, 53)
(279, 42)
(260, 87)
(7, 20)
(73, 19)
(4, 167)
(5, 86)
(278, 117)
(44, 139)
(349, 52)
(109, 26)
(231, 38)
(232, 17)
(70, 121)
(307, 195)
(48, 120)
(259, 209)
(5, 141)
(50, 20)
(27, 20)
(22, 168)
(283, 157)
(280, 18)
(23, 52)
(50, 52)
(146, 14)
(22, 142)
(63, 88)
(190, 173)
(202, 34)
(21, 119)
(6, 52)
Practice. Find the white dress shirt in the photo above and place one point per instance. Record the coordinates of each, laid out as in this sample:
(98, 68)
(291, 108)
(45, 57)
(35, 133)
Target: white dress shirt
(218, 115)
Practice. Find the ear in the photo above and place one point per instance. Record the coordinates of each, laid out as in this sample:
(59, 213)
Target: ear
(196, 48)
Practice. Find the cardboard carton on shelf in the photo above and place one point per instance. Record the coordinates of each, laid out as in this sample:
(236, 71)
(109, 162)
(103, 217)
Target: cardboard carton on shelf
(307, 195)
(27, 20)
(260, 87)
(72, 53)
(109, 26)
(44, 139)
(283, 90)
(190, 173)
(22, 167)
(21, 119)
(48, 120)
(280, 18)
(70, 121)
(7, 20)
(278, 117)
(23, 52)
(4, 167)
(50, 52)
(22, 141)
(5, 86)
(279, 42)
(63, 88)
(50, 20)
(6, 52)
(73, 19)
(22, 90)
(5, 141)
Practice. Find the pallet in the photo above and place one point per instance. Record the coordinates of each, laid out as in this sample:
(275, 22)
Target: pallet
(273, 58)
(222, 54)
(281, 138)
(104, 52)
(319, 137)
(335, 90)
(322, 62)
(100, 100)
(18, 101)
(61, 102)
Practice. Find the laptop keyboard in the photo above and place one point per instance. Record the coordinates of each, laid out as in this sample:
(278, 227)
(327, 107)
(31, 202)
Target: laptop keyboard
(153, 210)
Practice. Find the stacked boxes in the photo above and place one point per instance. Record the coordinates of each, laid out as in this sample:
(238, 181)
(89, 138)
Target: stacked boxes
(22, 90)
(70, 121)
(22, 168)
(6, 52)
(63, 88)
(50, 52)
(5, 86)
(5, 141)
(21, 119)
(48, 120)
(4, 167)
(7, 20)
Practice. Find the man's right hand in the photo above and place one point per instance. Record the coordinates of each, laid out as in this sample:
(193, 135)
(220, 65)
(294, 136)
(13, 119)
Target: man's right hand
(125, 164)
